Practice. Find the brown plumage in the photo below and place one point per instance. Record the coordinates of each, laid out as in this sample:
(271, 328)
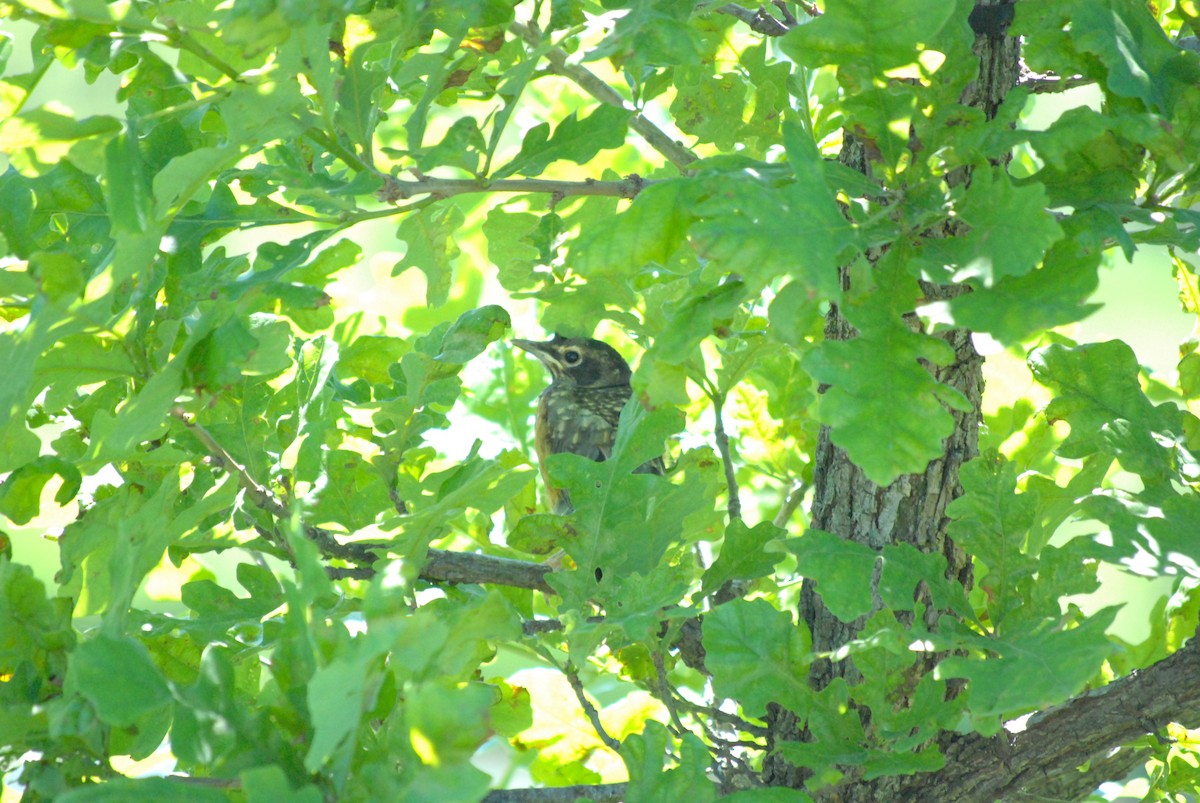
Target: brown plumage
(578, 412)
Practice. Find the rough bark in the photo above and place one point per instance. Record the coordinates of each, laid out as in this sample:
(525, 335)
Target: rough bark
(912, 509)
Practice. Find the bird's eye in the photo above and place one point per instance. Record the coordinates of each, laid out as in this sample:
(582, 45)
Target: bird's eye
(571, 356)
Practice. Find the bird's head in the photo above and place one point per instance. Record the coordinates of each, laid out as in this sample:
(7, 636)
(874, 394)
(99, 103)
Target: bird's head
(579, 361)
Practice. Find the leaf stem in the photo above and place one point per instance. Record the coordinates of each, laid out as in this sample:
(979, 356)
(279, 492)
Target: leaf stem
(658, 139)
(734, 506)
(590, 710)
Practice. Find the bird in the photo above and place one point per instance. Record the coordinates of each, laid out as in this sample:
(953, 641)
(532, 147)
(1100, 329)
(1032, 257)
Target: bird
(578, 412)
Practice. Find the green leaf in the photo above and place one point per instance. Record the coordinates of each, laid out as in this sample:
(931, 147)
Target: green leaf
(574, 139)
(870, 37)
(1009, 229)
(648, 779)
(473, 332)
(37, 139)
(513, 247)
(1030, 670)
(884, 407)
(358, 97)
(626, 522)
(1097, 393)
(430, 236)
(1142, 63)
(1088, 162)
(652, 33)
(116, 676)
(270, 785)
(649, 232)
(142, 790)
(991, 521)
(128, 185)
(907, 572)
(743, 555)
(1018, 306)
(709, 107)
(842, 570)
(21, 491)
(142, 417)
(762, 231)
(448, 724)
(30, 624)
(695, 319)
(462, 147)
(371, 357)
(757, 655)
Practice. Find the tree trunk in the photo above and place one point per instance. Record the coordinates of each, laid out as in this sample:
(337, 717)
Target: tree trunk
(912, 510)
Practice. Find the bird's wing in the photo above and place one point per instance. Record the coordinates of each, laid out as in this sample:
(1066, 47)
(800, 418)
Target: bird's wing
(584, 432)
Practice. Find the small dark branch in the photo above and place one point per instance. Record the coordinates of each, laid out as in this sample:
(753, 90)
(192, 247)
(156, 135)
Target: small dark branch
(1041, 84)
(759, 21)
(809, 8)
(665, 694)
(658, 139)
(691, 645)
(735, 501)
(443, 566)
(395, 189)
(398, 504)
(589, 709)
(536, 627)
(259, 494)
(349, 572)
(795, 496)
(208, 783)
(785, 13)
(600, 793)
(725, 718)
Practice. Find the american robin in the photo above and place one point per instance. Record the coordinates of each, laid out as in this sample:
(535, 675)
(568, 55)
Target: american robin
(578, 412)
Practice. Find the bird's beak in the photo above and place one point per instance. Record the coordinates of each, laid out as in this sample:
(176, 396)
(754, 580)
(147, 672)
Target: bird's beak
(543, 351)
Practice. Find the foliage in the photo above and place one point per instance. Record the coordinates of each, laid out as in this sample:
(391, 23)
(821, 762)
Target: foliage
(256, 386)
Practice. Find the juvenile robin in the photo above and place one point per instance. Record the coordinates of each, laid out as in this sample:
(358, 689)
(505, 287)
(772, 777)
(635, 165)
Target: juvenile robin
(578, 412)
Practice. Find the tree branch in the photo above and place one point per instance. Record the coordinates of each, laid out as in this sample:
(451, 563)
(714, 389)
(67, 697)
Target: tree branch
(445, 566)
(396, 189)
(791, 501)
(589, 709)
(441, 566)
(1043, 760)
(658, 139)
(1040, 83)
(600, 793)
(759, 21)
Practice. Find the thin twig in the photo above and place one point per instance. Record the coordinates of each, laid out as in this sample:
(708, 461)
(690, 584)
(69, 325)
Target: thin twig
(724, 717)
(795, 496)
(589, 709)
(259, 494)
(398, 504)
(665, 694)
(1040, 84)
(208, 783)
(349, 572)
(759, 21)
(735, 502)
(395, 189)
(658, 139)
(599, 793)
